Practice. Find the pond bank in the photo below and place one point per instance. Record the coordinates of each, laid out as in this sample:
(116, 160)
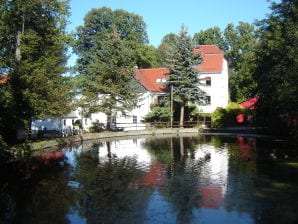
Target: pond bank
(103, 136)
(50, 143)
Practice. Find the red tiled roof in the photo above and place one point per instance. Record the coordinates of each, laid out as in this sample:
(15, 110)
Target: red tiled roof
(212, 63)
(148, 78)
(212, 58)
(3, 79)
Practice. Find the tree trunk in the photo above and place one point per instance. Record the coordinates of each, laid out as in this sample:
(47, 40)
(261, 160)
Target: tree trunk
(181, 115)
(108, 124)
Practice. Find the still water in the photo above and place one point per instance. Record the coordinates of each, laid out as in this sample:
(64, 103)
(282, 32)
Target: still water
(187, 179)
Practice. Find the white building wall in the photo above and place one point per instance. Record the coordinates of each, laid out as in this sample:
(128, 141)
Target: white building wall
(122, 121)
(136, 115)
(218, 91)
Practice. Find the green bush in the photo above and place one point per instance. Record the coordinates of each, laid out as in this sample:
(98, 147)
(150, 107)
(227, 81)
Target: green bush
(97, 127)
(226, 117)
(158, 114)
(219, 117)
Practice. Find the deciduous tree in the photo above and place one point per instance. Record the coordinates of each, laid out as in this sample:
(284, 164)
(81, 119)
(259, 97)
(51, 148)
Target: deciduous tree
(241, 42)
(276, 70)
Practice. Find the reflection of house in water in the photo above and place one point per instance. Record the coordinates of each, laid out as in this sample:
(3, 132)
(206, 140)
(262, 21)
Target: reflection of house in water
(213, 163)
(246, 146)
(155, 176)
(125, 148)
(48, 158)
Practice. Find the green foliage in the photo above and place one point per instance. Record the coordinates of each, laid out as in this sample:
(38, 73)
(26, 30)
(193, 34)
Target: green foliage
(158, 114)
(106, 80)
(219, 117)
(183, 76)
(241, 42)
(98, 23)
(222, 117)
(210, 36)
(165, 49)
(276, 70)
(145, 56)
(34, 51)
(97, 127)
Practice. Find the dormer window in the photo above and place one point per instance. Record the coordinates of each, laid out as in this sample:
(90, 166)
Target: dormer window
(161, 80)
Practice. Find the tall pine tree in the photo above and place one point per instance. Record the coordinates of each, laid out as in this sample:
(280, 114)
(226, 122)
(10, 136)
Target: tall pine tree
(183, 77)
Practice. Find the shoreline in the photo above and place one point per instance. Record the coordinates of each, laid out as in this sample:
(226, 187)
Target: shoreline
(104, 136)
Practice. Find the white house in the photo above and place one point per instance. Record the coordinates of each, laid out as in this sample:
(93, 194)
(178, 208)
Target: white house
(213, 71)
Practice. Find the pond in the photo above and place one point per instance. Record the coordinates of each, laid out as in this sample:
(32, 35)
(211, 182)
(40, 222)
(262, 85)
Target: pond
(167, 179)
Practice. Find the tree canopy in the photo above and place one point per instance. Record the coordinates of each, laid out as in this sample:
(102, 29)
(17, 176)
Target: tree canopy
(34, 53)
(241, 42)
(210, 36)
(99, 22)
(276, 69)
(107, 82)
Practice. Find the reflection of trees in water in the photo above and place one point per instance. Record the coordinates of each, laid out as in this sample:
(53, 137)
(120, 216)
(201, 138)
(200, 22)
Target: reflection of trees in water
(277, 192)
(242, 176)
(109, 191)
(182, 182)
(182, 186)
(34, 191)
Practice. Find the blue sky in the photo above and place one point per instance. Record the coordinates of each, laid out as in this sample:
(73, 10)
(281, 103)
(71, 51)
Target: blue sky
(166, 16)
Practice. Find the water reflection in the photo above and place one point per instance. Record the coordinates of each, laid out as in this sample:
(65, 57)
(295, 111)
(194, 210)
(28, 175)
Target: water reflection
(206, 179)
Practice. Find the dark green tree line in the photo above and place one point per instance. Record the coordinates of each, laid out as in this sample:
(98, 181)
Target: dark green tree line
(276, 69)
(34, 53)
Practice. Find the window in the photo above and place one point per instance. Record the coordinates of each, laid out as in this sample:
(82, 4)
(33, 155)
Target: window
(134, 119)
(160, 80)
(113, 119)
(208, 100)
(208, 81)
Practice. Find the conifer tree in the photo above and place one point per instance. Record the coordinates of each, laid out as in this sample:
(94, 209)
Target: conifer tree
(107, 82)
(34, 50)
(183, 76)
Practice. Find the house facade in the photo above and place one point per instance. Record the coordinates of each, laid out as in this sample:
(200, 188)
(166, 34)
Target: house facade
(213, 73)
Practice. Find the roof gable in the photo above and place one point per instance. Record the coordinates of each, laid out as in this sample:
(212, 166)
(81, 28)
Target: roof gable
(149, 78)
(212, 58)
